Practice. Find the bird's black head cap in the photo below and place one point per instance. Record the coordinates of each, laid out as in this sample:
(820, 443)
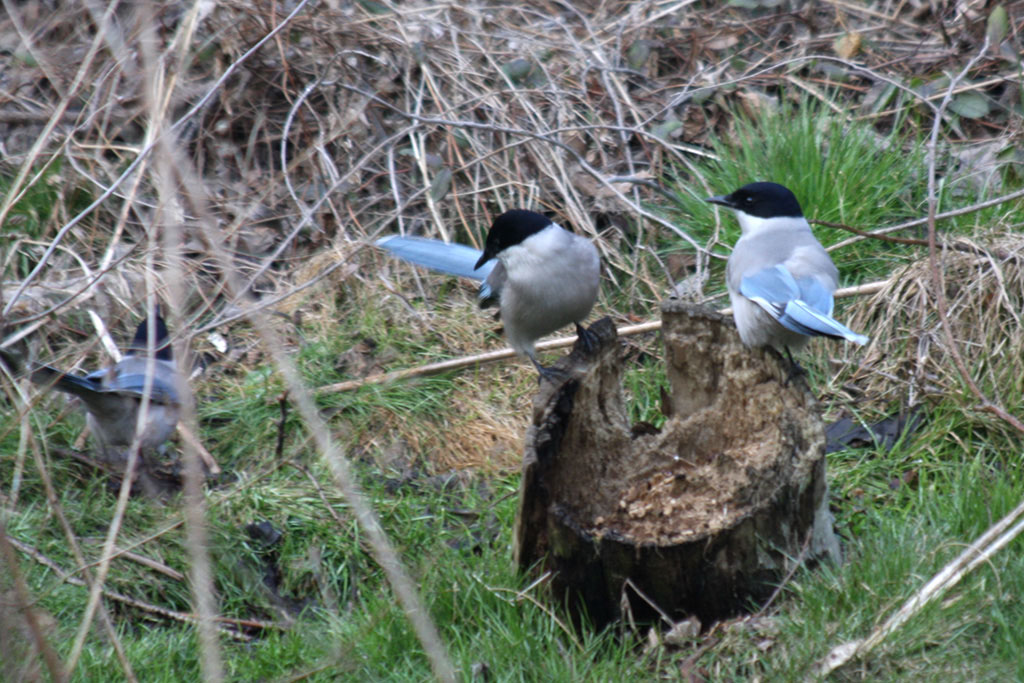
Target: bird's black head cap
(510, 229)
(764, 200)
(162, 343)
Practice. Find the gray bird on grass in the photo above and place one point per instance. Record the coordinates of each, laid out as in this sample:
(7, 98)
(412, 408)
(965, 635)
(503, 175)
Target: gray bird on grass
(780, 278)
(541, 276)
(112, 396)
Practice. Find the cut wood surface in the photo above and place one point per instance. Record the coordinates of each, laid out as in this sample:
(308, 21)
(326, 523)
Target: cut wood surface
(700, 518)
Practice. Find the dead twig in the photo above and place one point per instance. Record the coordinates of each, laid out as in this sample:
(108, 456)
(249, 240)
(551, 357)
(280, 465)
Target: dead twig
(957, 245)
(25, 607)
(64, 576)
(149, 562)
(973, 208)
(503, 354)
(192, 440)
(981, 550)
(1001, 533)
(987, 404)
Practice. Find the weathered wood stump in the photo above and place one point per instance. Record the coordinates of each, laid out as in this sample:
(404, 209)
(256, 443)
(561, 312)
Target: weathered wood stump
(701, 518)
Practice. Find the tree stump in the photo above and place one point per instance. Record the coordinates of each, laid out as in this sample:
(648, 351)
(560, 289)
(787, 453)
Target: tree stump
(700, 518)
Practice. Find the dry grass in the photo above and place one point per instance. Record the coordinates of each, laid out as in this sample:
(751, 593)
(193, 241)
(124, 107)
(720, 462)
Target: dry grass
(908, 358)
(127, 133)
(420, 118)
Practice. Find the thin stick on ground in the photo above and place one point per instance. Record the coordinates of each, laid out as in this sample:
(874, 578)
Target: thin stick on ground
(10, 563)
(504, 354)
(987, 404)
(973, 208)
(999, 534)
(380, 545)
(142, 605)
(981, 550)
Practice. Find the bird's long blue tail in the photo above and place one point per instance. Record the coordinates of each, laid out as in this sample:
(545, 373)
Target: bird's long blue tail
(44, 375)
(446, 257)
(803, 306)
(801, 318)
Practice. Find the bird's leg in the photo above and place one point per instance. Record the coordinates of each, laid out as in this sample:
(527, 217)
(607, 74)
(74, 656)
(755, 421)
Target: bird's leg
(588, 340)
(550, 374)
(795, 370)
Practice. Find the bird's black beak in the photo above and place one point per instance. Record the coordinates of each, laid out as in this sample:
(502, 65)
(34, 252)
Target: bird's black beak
(484, 258)
(721, 199)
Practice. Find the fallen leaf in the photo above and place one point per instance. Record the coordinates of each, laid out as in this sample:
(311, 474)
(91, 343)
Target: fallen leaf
(998, 25)
(970, 105)
(847, 45)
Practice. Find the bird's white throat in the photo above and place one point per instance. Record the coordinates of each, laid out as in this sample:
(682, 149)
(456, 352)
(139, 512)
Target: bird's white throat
(754, 225)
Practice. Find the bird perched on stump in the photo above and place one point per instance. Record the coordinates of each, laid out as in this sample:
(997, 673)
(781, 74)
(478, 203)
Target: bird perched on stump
(780, 278)
(540, 275)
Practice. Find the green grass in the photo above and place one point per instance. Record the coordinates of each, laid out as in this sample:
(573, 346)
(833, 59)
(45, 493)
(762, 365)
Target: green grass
(841, 172)
(31, 219)
(455, 534)
(894, 541)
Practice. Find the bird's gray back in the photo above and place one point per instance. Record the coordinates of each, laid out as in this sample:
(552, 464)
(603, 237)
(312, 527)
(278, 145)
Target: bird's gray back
(796, 248)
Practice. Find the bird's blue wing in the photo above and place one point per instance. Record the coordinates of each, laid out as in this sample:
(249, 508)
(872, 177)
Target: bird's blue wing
(803, 306)
(129, 378)
(815, 295)
(446, 257)
(134, 383)
(770, 289)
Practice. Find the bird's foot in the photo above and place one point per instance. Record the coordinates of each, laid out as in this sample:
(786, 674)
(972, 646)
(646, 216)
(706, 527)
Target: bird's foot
(551, 374)
(588, 340)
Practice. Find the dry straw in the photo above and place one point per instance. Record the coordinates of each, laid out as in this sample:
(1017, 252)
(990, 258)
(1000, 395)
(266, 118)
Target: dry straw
(222, 146)
(909, 356)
